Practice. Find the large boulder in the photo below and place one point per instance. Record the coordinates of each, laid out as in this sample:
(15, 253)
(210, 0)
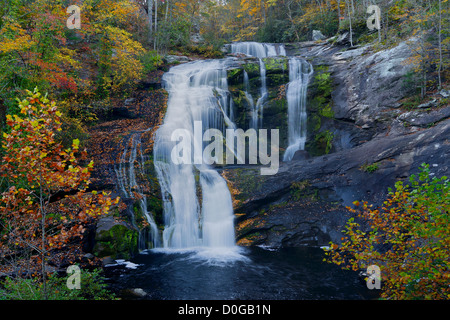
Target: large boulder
(367, 84)
(317, 35)
(171, 59)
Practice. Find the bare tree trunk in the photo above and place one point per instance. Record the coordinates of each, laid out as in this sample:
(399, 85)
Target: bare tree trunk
(386, 27)
(339, 13)
(291, 19)
(150, 19)
(167, 10)
(264, 12)
(156, 24)
(440, 45)
(150, 15)
(350, 21)
(43, 249)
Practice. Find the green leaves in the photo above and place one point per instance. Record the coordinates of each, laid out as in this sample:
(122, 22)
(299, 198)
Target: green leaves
(408, 237)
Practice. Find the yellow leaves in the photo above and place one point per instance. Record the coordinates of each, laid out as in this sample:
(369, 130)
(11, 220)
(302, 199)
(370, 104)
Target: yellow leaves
(125, 65)
(14, 38)
(65, 56)
(34, 123)
(271, 3)
(106, 10)
(75, 144)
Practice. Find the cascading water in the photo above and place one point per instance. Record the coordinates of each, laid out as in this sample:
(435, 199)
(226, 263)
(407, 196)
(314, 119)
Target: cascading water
(299, 74)
(249, 98)
(263, 96)
(197, 203)
(128, 185)
(258, 50)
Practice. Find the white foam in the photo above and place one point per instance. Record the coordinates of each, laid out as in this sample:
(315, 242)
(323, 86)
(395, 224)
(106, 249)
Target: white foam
(127, 264)
(214, 256)
(220, 256)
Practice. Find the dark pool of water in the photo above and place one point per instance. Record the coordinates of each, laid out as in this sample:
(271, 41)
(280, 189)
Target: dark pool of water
(285, 274)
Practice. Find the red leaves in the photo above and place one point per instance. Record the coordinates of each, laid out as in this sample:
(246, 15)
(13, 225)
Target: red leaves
(34, 160)
(408, 238)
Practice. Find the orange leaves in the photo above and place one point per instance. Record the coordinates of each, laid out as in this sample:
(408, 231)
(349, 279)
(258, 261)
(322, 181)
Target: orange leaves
(36, 162)
(408, 238)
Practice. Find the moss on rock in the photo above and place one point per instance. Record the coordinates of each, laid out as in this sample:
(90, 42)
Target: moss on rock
(116, 240)
(276, 65)
(319, 108)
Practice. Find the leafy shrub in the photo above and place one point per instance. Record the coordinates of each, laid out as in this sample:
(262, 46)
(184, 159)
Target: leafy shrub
(174, 33)
(408, 238)
(92, 287)
(150, 61)
(370, 167)
(207, 51)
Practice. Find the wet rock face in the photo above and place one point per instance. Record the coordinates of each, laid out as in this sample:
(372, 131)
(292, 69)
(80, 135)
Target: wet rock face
(369, 83)
(275, 107)
(279, 212)
(317, 35)
(376, 141)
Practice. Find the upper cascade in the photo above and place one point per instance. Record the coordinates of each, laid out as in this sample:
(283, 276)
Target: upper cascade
(300, 72)
(258, 50)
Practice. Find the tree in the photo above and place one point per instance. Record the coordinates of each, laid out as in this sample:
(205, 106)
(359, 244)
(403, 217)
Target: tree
(408, 238)
(46, 204)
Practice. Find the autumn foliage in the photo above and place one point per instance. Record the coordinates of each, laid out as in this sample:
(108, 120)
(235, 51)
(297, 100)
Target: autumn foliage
(408, 238)
(46, 204)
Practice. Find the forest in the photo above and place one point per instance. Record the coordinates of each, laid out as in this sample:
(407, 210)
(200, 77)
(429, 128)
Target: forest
(83, 87)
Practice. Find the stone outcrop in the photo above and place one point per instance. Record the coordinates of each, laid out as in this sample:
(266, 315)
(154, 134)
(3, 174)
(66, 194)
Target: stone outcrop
(368, 125)
(283, 213)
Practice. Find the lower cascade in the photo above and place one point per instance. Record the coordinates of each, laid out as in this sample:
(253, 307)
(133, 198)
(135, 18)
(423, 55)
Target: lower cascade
(197, 204)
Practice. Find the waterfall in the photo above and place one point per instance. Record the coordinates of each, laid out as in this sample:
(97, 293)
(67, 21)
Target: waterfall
(130, 188)
(197, 204)
(263, 95)
(299, 74)
(258, 50)
(249, 98)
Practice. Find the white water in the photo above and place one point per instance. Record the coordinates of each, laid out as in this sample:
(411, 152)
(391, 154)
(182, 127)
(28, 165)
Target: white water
(197, 203)
(263, 95)
(299, 74)
(258, 50)
(128, 185)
